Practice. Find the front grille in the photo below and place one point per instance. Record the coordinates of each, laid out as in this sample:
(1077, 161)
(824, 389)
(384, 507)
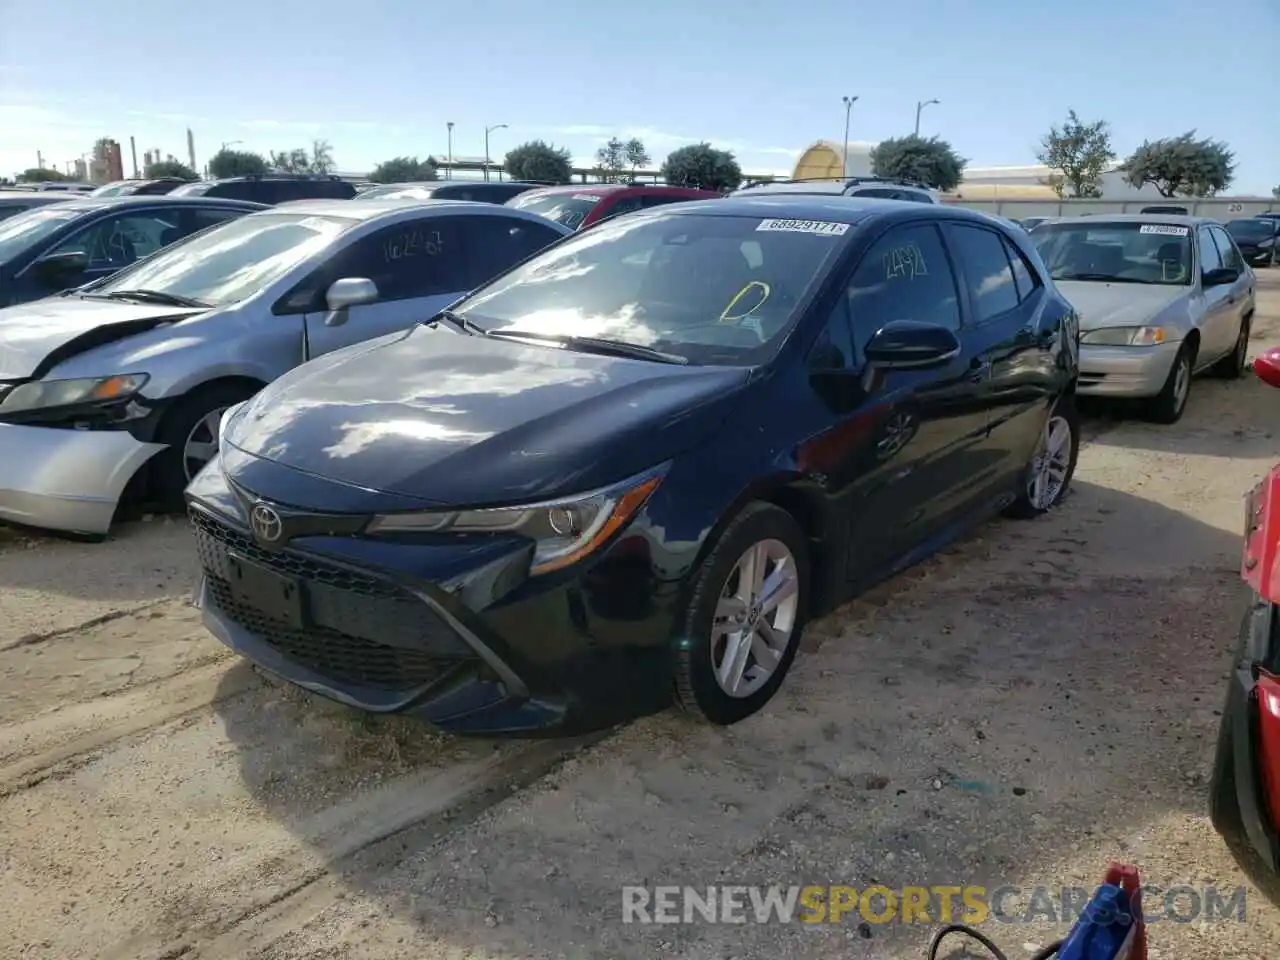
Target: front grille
(1091, 379)
(360, 628)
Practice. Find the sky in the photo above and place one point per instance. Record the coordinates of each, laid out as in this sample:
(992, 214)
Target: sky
(763, 81)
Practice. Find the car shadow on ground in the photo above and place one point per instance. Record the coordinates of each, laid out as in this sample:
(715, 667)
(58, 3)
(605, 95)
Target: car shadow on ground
(985, 718)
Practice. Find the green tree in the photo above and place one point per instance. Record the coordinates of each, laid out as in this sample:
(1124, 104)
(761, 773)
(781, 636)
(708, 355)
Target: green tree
(170, 168)
(297, 160)
(637, 156)
(404, 170)
(538, 160)
(1181, 166)
(702, 165)
(321, 156)
(236, 163)
(42, 175)
(929, 161)
(1078, 154)
(611, 160)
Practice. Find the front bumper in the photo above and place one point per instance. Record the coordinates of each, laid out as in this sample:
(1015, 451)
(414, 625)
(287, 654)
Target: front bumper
(66, 480)
(1237, 801)
(1125, 371)
(451, 633)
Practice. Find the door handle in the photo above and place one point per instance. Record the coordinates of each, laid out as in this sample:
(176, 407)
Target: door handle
(979, 370)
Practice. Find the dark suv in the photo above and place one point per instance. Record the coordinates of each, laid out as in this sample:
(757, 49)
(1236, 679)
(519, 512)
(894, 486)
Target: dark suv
(875, 188)
(271, 189)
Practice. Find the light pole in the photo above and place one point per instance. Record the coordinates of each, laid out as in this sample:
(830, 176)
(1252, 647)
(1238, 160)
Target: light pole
(448, 173)
(487, 131)
(844, 157)
(920, 106)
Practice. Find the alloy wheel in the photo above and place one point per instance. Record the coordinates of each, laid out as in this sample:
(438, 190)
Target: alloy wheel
(202, 443)
(754, 618)
(1049, 469)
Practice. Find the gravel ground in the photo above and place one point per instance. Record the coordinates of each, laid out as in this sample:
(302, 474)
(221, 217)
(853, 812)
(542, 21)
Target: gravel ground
(1035, 702)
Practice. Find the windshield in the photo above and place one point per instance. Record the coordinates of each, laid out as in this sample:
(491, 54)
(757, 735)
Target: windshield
(569, 209)
(190, 190)
(18, 234)
(1250, 229)
(713, 289)
(395, 191)
(230, 262)
(1128, 252)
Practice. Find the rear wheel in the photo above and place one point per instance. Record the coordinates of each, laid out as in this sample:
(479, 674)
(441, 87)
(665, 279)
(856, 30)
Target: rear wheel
(1232, 366)
(742, 627)
(190, 434)
(1168, 405)
(1048, 475)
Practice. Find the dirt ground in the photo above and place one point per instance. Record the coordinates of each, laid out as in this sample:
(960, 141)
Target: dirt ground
(1037, 701)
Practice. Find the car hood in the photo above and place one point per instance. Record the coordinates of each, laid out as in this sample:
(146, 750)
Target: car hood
(36, 336)
(447, 418)
(1118, 304)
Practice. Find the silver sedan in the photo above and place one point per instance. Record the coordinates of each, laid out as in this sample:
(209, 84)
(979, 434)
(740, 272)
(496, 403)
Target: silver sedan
(1161, 298)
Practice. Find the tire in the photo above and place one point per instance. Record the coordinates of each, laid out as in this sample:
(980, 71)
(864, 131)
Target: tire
(171, 469)
(1031, 501)
(1234, 364)
(1169, 404)
(700, 648)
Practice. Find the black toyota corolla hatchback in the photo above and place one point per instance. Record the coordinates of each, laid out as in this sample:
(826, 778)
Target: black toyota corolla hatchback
(630, 468)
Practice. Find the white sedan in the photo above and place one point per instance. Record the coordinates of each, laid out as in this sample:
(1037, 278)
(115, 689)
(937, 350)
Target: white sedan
(1161, 298)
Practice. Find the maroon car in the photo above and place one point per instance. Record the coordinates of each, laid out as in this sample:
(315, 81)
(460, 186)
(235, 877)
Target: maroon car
(586, 205)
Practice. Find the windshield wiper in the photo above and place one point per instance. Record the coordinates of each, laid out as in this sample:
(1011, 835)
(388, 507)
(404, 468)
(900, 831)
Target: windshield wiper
(1097, 277)
(153, 296)
(464, 324)
(616, 348)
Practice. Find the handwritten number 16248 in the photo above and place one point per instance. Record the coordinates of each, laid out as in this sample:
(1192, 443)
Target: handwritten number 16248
(411, 245)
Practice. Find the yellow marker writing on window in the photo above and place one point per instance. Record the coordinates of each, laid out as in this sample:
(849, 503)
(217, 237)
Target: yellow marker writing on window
(728, 315)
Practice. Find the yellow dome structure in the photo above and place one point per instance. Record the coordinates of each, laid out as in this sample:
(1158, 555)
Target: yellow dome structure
(825, 158)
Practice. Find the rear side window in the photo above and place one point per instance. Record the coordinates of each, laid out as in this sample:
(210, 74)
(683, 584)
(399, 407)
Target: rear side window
(985, 270)
(915, 195)
(879, 193)
(496, 244)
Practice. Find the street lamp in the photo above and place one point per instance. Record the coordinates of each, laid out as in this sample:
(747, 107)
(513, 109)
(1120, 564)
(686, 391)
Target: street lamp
(487, 131)
(920, 106)
(448, 173)
(844, 157)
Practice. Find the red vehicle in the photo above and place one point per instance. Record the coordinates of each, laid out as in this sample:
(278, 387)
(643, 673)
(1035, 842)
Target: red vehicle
(1245, 791)
(591, 203)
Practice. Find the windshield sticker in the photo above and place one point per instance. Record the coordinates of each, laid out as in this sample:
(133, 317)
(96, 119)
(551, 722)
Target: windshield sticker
(586, 196)
(1163, 229)
(411, 243)
(905, 261)
(821, 227)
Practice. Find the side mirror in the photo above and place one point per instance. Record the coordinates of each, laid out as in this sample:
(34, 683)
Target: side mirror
(348, 292)
(1219, 277)
(1267, 366)
(62, 267)
(907, 344)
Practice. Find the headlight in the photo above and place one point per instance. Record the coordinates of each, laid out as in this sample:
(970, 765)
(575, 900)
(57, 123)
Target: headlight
(1126, 336)
(46, 394)
(563, 531)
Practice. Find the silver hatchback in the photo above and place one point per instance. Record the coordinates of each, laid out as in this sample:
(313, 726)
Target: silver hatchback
(135, 370)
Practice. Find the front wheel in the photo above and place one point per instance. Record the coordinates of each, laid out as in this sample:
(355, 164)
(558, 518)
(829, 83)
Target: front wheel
(1168, 405)
(1049, 473)
(190, 434)
(742, 626)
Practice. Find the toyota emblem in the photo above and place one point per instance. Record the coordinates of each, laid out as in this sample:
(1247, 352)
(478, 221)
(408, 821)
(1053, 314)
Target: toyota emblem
(266, 523)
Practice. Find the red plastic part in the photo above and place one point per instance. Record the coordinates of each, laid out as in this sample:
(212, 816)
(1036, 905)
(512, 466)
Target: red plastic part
(1125, 876)
(1260, 565)
(1267, 366)
(1269, 743)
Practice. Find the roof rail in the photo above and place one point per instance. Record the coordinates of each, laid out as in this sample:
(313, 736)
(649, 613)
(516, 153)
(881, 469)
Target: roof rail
(847, 181)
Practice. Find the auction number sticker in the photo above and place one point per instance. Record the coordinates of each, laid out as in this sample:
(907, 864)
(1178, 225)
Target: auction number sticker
(822, 227)
(1164, 229)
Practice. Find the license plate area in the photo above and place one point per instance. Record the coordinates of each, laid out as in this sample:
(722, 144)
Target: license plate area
(272, 594)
